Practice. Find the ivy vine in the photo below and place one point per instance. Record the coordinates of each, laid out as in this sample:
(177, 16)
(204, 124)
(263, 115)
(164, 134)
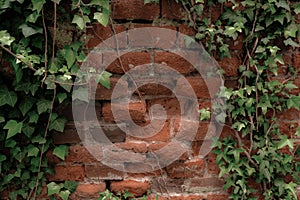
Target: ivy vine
(253, 153)
(37, 72)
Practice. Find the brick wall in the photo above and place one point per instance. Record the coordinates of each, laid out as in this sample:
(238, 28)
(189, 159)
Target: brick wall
(190, 176)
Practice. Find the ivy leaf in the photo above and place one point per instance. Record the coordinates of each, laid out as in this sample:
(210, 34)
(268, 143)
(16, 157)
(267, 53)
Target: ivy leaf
(5, 38)
(291, 43)
(38, 5)
(293, 101)
(103, 17)
(285, 142)
(33, 151)
(26, 105)
(283, 4)
(43, 105)
(13, 128)
(53, 188)
(79, 21)
(64, 82)
(2, 119)
(81, 94)
(61, 151)
(61, 97)
(127, 194)
(69, 55)
(204, 114)
(199, 1)
(64, 194)
(8, 97)
(58, 124)
(29, 31)
(297, 8)
(103, 78)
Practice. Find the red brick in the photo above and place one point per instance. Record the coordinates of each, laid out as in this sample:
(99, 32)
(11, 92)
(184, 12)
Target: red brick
(188, 169)
(212, 167)
(133, 146)
(98, 33)
(288, 128)
(69, 136)
(181, 197)
(68, 172)
(90, 190)
(217, 196)
(290, 114)
(126, 62)
(153, 89)
(137, 111)
(199, 86)
(145, 170)
(134, 187)
(152, 36)
(79, 154)
(167, 185)
(52, 159)
(230, 65)
(134, 9)
(103, 172)
(102, 93)
(171, 105)
(162, 135)
(174, 61)
(205, 184)
(171, 9)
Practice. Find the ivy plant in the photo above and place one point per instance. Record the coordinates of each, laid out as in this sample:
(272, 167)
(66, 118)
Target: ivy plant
(256, 159)
(37, 75)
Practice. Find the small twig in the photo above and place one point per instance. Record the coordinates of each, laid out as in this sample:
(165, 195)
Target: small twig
(18, 57)
(43, 145)
(245, 152)
(189, 15)
(54, 31)
(46, 47)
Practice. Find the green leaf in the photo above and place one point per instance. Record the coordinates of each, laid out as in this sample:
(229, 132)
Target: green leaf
(103, 17)
(13, 128)
(293, 101)
(29, 31)
(283, 4)
(297, 8)
(2, 119)
(53, 188)
(69, 55)
(43, 105)
(58, 124)
(8, 97)
(33, 151)
(81, 94)
(79, 21)
(38, 5)
(103, 78)
(26, 105)
(285, 142)
(61, 97)
(33, 117)
(204, 114)
(290, 42)
(64, 194)
(199, 1)
(65, 82)
(70, 185)
(5, 38)
(61, 151)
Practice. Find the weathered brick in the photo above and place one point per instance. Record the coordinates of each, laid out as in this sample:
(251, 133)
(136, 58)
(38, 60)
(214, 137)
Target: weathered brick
(134, 187)
(102, 172)
(98, 33)
(217, 196)
(186, 170)
(137, 111)
(69, 136)
(67, 172)
(212, 167)
(126, 61)
(180, 197)
(174, 61)
(204, 184)
(90, 190)
(199, 86)
(296, 60)
(230, 65)
(162, 135)
(137, 147)
(171, 9)
(99, 92)
(79, 154)
(134, 9)
(167, 185)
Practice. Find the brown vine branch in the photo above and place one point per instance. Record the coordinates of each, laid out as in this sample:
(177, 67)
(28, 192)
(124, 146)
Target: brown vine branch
(18, 57)
(43, 145)
(46, 47)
